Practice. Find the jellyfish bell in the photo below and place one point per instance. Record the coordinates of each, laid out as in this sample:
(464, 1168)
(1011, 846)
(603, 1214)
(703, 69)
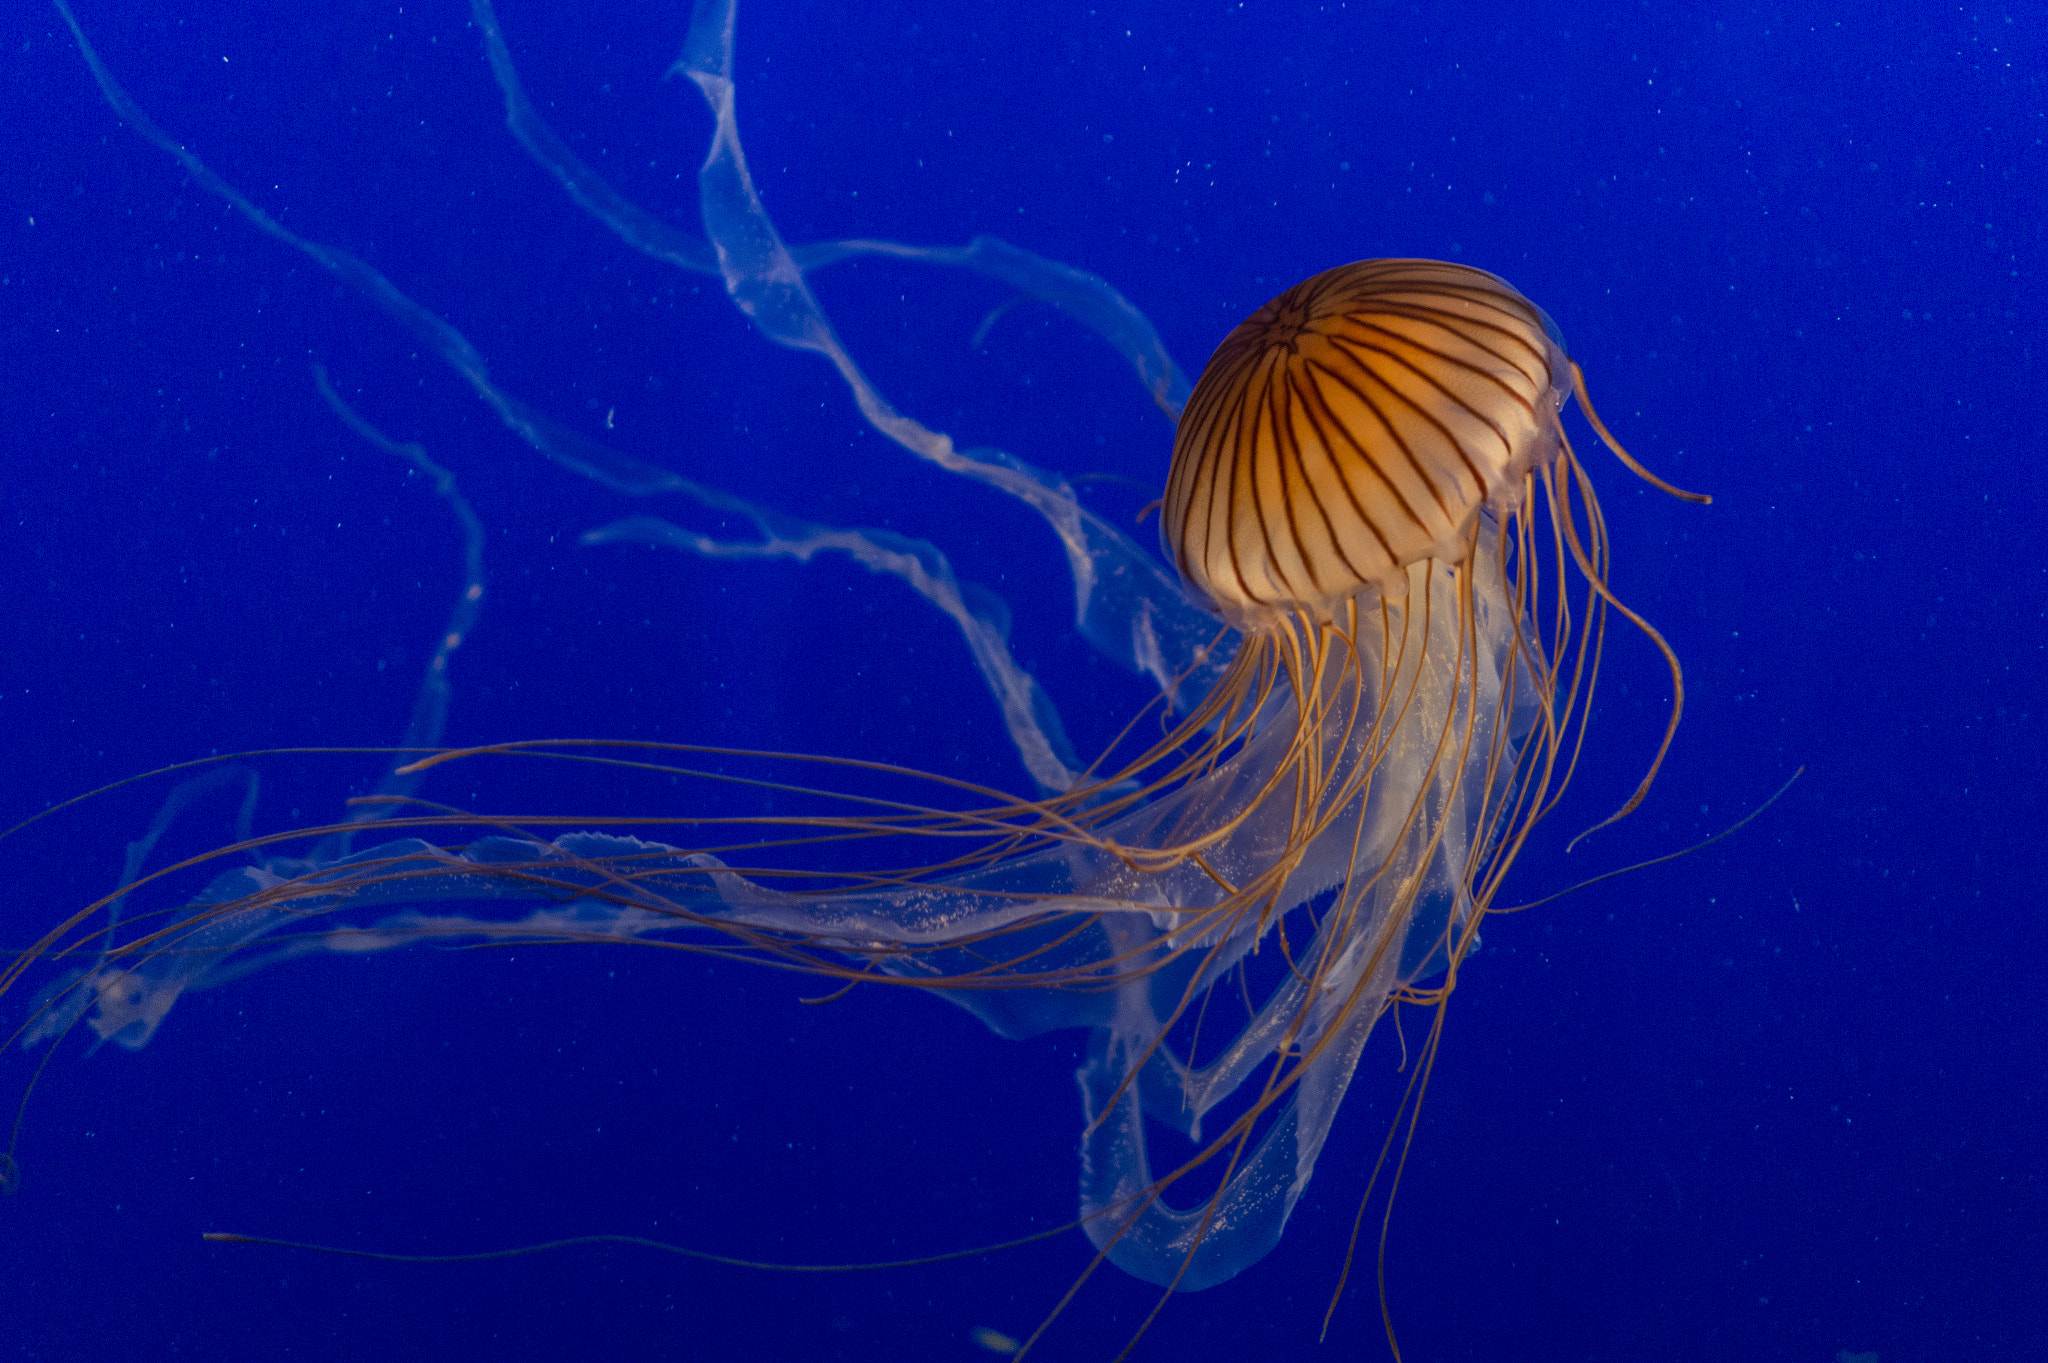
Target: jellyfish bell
(1356, 424)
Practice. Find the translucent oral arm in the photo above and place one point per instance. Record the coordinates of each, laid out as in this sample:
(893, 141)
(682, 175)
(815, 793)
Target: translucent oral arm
(1126, 603)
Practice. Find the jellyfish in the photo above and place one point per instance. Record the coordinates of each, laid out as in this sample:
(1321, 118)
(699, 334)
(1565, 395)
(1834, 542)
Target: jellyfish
(1376, 633)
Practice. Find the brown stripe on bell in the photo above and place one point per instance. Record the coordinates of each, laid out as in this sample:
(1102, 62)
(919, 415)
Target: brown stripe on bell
(1354, 425)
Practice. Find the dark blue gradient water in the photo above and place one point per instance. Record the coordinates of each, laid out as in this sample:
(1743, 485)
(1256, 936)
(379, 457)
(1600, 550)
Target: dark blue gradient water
(1778, 1099)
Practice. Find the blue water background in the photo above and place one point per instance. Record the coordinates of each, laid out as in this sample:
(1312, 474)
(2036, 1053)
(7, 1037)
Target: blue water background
(1781, 1098)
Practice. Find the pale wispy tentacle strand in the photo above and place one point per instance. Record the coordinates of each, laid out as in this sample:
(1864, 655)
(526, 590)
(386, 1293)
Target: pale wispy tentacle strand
(1088, 298)
(1028, 714)
(620, 472)
(429, 721)
(1126, 603)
